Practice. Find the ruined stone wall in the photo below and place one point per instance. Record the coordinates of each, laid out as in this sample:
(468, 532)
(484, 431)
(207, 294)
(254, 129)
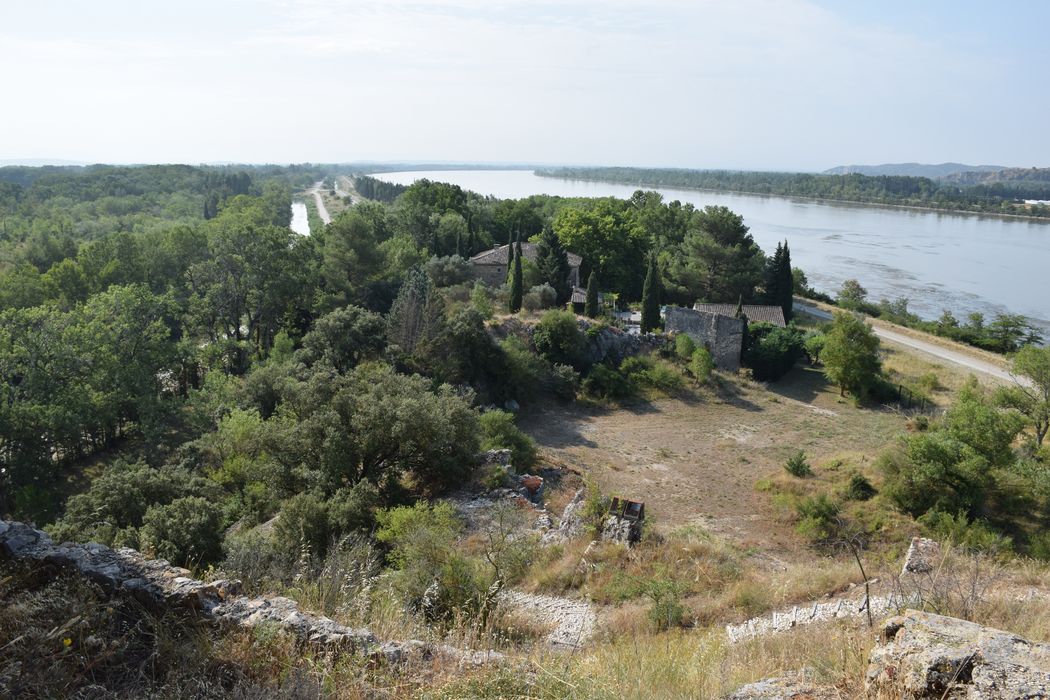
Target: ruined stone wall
(722, 335)
(491, 275)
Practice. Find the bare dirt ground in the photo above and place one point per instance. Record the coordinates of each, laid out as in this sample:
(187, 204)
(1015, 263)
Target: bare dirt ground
(695, 459)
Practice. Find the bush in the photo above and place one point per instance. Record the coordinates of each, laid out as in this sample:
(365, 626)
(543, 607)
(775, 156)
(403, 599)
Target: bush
(859, 488)
(479, 299)
(606, 383)
(433, 576)
(557, 337)
(539, 297)
(186, 532)
(651, 372)
(498, 431)
(701, 365)
(353, 509)
(814, 345)
(666, 609)
(817, 518)
(933, 471)
(684, 347)
(798, 466)
(960, 531)
(564, 382)
(525, 370)
(771, 352)
(303, 523)
(447, 271)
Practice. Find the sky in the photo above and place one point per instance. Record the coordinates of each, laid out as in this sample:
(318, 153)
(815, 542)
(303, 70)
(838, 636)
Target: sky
(743, 84)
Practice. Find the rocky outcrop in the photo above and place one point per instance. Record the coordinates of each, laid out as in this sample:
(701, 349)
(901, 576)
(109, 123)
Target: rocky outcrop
(571, 524)
(159, 586)
(923, 557)
(797, 686)
(573, 621)
(922, 655)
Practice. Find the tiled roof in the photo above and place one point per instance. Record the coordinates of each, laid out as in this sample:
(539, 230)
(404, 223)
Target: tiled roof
(498, 255)
(579, 296)
(754, 312)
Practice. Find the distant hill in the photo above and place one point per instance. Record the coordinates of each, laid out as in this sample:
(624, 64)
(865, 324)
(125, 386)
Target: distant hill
(977, 177)
(912, 169)
(38, 162)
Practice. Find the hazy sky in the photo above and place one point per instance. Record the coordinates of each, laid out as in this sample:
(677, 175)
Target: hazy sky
(763, 84)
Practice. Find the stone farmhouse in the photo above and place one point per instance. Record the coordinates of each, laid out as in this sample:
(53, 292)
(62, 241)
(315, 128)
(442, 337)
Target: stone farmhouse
(490, 266)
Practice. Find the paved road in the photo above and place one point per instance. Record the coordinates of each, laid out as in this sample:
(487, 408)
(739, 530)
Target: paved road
(933, 349)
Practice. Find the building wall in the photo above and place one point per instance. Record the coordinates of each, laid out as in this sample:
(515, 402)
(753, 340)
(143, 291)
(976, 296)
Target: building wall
(491, 275)
(723, 336)
(496, 275)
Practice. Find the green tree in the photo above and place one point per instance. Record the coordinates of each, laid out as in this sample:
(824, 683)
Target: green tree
(651, 298)
(779, 280)
(611, 242)
(516, 284)
(344, 338)
(851, 354)
(553, 263)
(558, 338)
(1030, 393)
(590, 306)
(186, 532)
(852, 295)
(719, 259)
(417, 316)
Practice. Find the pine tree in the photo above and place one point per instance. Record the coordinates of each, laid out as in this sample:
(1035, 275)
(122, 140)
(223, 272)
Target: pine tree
(651, 297)
(553, 263)
(516, 282)
(590, 308)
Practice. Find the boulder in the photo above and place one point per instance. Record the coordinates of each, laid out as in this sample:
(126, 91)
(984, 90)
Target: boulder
(797, 686)
(923, 556)
(922, 655)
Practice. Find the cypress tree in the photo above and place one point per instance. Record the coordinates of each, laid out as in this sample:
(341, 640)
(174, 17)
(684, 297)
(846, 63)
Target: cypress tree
(786, 284)
(516, 282)
(590, 308)
(553, 262)
(651, 297)
(771, 276)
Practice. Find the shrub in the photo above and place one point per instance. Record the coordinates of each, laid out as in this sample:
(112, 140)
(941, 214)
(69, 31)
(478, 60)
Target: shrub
(859, 488)
(498, 431)
(447, 271)
(525, 370)
(817, 518)
(353, 509)
(650, 372)
(595, 509)
(959, 530)
(701, 365)
(557, 337)
(433, 576)
(541, 296)
(684, 347)
(666, 609)
(933, 471)
(564, 382)
(186, 532)
(814, 345)
(303, 523)
(1039, 546)
(930, 382)
(771, 351)
(798, 466)
(606, 383)
(479, 299)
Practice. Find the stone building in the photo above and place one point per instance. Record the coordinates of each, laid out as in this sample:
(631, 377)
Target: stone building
(491, 266)
(722, 335)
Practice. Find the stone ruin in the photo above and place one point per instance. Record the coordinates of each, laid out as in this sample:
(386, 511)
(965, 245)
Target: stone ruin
(159, 586)
(722, 335)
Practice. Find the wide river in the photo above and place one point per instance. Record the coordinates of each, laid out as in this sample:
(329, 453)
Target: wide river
(938, 261)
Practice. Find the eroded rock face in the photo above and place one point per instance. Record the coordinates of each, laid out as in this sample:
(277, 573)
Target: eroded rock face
(921, 655)
(159, 586)
(797, 686)
(923, 557)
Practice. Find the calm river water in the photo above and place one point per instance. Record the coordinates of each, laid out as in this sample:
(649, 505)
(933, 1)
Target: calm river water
(938, 261)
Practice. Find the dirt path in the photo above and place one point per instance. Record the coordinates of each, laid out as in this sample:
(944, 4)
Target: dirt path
(936, 350)
(322, 211)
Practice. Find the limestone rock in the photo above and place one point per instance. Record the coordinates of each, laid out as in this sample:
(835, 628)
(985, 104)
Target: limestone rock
(621, 530)
(923, 556)
(793, 687)
(922, 655)
(571, 523)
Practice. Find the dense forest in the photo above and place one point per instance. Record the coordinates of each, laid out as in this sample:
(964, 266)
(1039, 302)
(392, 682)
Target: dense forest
(1000, 197)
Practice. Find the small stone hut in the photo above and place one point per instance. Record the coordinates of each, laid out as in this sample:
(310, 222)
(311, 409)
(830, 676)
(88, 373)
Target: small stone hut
(722, 335)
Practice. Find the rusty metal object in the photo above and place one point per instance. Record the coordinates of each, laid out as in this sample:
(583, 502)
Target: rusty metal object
(627, 509)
